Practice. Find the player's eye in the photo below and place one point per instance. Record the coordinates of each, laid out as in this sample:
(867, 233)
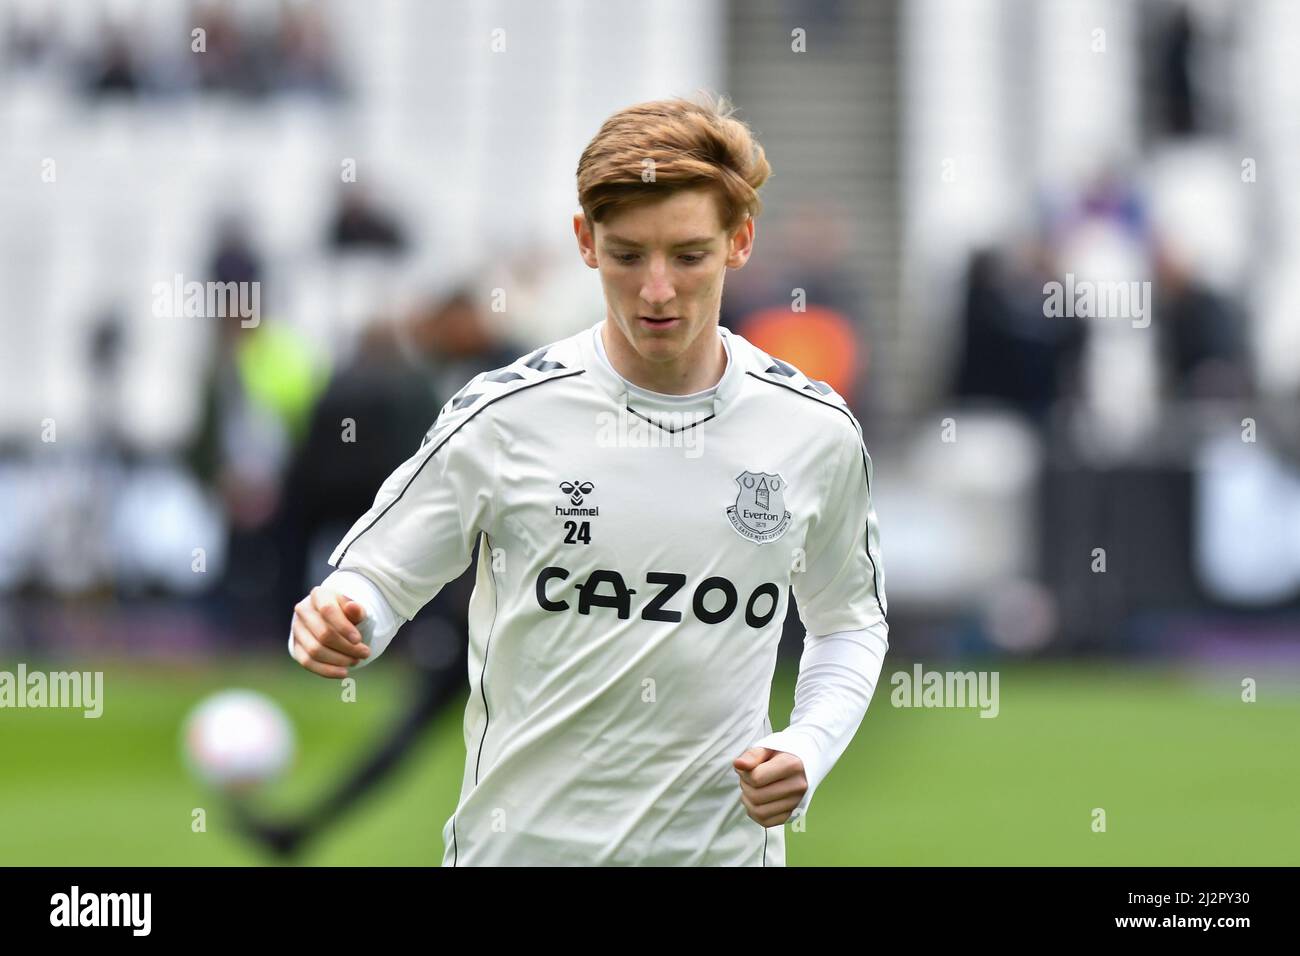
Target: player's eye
(629, 257)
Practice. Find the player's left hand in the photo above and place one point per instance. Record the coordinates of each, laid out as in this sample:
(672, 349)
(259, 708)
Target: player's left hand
(772, 782)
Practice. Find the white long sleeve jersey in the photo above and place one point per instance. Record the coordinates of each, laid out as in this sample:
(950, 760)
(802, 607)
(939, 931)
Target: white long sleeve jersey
(634, 568)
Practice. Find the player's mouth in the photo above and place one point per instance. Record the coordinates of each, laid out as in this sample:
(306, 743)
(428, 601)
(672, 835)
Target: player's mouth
(665, 322)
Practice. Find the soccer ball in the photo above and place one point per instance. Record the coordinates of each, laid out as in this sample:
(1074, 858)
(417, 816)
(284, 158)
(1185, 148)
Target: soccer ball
(238, 740)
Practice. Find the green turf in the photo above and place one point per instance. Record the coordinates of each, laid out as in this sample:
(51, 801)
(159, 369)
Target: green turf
(1186, 772)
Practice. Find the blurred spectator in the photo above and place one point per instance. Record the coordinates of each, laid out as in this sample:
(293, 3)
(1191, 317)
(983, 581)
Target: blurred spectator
(258, 397)
(223, 55)
(233, 260)
(374, 415)
(1177, 46)
(1011, 351)
(360, 223)
(32, 41)
(1202, 335)
(805, 254)
(820, 342)
(304, 57)
(227, 53)
(113, 70)
(1109, 199)
(107, 340)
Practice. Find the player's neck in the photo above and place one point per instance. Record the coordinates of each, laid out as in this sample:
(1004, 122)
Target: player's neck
(700, 367)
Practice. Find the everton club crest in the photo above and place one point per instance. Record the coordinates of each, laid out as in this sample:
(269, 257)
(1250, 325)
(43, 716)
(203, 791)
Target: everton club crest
(759, 512)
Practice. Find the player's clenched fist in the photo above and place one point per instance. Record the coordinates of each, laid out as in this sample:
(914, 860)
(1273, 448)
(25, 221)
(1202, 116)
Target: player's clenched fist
(325, 637)
(772, 783)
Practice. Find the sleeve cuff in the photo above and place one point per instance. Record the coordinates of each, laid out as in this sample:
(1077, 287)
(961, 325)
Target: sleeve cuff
(381, 621)
(838, 674)
(792, 742)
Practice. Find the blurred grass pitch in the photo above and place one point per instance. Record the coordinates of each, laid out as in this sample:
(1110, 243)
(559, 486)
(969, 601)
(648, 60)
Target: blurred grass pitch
(1186, 772)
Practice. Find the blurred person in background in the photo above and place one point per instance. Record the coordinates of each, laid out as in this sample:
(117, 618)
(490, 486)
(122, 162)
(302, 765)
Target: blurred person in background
(809, 268)
(375, 410)
(229, 63)
(803, 304)
(360, 222)
(304, 57)
(112, 69)
(400, 376)
(32, 37)
(1010, 351)
(257, 399)
(1202, 331)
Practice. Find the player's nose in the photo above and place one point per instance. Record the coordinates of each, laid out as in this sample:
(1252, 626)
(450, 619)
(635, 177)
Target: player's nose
(658, 288)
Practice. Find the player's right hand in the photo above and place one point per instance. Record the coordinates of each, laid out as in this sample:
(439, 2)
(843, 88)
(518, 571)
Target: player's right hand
(325, 638)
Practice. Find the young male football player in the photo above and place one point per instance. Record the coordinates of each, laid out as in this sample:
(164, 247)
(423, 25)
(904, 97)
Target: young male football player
(646, 493)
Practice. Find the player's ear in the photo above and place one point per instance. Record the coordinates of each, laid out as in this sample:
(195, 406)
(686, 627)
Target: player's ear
(741, 244)
(586, 236)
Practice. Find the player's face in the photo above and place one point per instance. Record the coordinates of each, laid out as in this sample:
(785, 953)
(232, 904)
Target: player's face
(662, 266)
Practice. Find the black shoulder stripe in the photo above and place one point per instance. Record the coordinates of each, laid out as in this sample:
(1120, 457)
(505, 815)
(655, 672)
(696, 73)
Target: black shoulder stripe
(469, 418)
(789, 371)
(500, 375)
(505, 374)
(535, 361)
(866, 472)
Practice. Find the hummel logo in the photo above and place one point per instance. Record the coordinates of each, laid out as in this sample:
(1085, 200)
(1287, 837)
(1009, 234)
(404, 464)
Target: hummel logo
(576, 489)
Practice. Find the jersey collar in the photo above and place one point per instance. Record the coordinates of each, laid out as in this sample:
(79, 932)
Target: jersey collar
(610, 382)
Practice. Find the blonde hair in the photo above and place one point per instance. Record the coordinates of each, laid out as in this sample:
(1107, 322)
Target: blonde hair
(688, 143)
